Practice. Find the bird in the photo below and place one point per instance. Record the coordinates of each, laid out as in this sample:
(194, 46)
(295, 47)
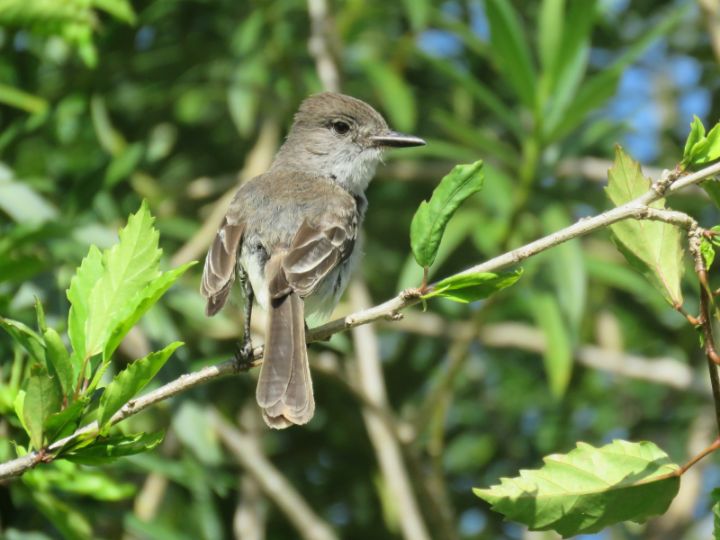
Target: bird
(292, 238)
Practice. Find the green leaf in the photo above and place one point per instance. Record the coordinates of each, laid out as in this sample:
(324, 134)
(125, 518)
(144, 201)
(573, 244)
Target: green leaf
(466, 288)
(550, 32)
(394, 93)
(715, 497)
(63, 423)
(510, 50)
(706, 149)
(120, 9)
(65, 476)
(430, 219)
(25, 337)
(107, 449)
(40, 313)
(707, 249)
(557, 355)
(139, 305)
(418, 12)
(42, 398)
(59, 358)
(697, 134)
(130, 381)
(127, 268)
(652, 247)
(14, 97)
(82, 283)
(589, 488)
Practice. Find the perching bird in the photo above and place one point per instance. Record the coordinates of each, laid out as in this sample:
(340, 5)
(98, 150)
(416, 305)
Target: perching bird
(292, 235)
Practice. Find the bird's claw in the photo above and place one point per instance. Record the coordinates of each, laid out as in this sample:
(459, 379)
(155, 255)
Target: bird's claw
(243, 356)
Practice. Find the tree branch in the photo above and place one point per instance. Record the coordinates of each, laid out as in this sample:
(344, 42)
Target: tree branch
(389, 310)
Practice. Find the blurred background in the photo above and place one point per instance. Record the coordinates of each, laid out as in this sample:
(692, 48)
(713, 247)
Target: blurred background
(104, 103)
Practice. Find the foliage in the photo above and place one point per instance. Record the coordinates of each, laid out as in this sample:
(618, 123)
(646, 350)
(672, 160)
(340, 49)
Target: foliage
(165, 102)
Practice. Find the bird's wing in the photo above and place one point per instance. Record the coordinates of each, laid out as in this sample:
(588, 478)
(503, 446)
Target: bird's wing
(314, 252)
(219, 271)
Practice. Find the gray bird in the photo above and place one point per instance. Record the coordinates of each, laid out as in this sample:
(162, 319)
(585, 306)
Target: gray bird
(292, 235)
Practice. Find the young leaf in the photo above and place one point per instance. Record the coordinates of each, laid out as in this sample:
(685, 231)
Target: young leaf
(130, 381)
(697, 134)
(42, 398)
(139, 305)
(428, 223)
(589, 488)
(715, 497)
(85, 278)
(558, 349)
(707, 249)
(59, 358)
(26, 337)
(471, 287)
(706, 149)
(107, 449)
(652, 247)
(127, 268)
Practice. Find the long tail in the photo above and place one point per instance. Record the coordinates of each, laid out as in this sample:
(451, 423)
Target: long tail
(284, 390)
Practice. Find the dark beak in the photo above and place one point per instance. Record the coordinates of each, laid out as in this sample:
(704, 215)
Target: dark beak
(397, 140)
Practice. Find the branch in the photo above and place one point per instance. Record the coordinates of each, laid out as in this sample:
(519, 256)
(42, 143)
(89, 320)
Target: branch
(319, 46)
(273, 483)
(389, 310)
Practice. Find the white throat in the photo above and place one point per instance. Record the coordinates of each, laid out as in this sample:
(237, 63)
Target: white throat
(353, 171)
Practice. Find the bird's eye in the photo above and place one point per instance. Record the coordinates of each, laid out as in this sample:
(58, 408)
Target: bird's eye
(340, 127)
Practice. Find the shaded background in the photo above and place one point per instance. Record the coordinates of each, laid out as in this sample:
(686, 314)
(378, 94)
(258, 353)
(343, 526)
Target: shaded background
(103, 104)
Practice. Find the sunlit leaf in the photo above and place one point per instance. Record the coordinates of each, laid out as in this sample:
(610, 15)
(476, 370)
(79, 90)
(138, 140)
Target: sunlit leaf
(130, 381)
(652, 247)
(589, 488)
(82, 283)
(430, 220)
(708, 252)
(466, 288)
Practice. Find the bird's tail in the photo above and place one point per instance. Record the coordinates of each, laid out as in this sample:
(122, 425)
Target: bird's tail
(284, 390)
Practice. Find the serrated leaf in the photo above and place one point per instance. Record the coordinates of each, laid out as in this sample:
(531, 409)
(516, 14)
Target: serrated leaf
(557, 355)
(25, 337)
(85, 278)
(63, 423)
(139, 305)
(466, 288)
(130, 381)
(431, 218)
(707, 249)
(107, 449)
(697, 133)
(652, 247)
(59, 358)
(42, 398)
(127, 268)
(589, 488)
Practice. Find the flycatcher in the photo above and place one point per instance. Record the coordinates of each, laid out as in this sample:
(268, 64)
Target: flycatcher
(292, 236)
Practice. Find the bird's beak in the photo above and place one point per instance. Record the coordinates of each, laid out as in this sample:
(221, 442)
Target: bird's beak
(397, 140)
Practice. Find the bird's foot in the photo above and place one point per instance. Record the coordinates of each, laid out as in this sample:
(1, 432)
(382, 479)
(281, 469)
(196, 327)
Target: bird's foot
(243, 356)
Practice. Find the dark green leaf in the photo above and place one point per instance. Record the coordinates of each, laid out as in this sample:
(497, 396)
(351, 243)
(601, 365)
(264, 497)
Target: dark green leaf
(428, 224)
(59, 359)
(26, 337)
(652, 247)
(69, 521)
(466, 288)
(43, 396)
(107, 449)
(130, 381)
(589, 488)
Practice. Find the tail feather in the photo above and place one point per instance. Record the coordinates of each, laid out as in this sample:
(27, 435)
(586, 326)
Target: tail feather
(284, 390)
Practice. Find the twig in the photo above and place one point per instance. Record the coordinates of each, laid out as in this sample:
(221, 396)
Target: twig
(633, 209)
(387, 447)
(319, 46)
(273, 483)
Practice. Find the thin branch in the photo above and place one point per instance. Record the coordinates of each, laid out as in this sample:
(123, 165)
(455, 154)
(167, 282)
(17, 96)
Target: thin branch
(319, 45)
(389, 310)
(274, 484)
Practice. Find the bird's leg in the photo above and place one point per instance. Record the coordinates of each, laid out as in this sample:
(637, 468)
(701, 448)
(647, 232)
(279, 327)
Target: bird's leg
(244, 351)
